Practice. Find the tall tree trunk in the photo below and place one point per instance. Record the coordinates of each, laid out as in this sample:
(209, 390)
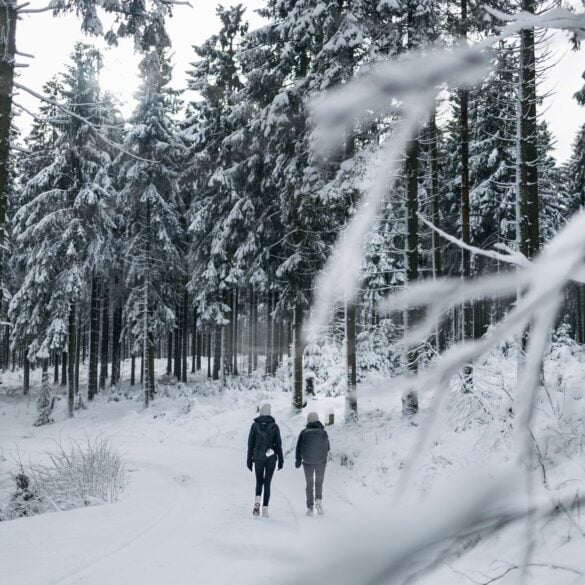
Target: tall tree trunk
(217, 352)
(94, 338)
(269, 330)
(170, 353)
(64, 361)
(185, 333)
(105, 336)
(7, 60)
(132, 370)
(235, 344)
(116, 349)
(436, 214)
(77, 358)
(71, 351)
(209, 374)
(351, 405)
(56, 365)
(200, 338)
(410, 396)
(251, 341)
(298, 358)
(26, 376)
(194, 344)
(147, 376)
(177, 344)
(529, 138)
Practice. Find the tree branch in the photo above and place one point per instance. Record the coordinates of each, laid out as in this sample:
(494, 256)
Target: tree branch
(93, 127)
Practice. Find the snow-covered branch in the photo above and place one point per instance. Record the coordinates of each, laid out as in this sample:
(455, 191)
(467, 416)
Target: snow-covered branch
(85, 121)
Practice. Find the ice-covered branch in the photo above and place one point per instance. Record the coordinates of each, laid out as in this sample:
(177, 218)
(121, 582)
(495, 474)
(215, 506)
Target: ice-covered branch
(93, 127)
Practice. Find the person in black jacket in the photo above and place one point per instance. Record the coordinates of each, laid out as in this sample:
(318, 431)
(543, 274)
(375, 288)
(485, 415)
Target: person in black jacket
(264, 450)
(312, 448)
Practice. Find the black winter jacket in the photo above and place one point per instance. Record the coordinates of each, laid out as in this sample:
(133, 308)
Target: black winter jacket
(312, 445)
(265, 424)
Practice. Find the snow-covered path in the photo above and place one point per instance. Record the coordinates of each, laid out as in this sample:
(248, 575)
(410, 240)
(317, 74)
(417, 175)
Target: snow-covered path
(186, 515)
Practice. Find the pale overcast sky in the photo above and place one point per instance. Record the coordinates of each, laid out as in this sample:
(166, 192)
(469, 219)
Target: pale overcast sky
(51, 40)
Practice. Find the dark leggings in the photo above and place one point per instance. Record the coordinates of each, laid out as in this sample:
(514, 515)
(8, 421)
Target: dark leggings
(264, 473)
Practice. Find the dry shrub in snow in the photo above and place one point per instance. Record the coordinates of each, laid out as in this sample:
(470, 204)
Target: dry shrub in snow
(79, 475)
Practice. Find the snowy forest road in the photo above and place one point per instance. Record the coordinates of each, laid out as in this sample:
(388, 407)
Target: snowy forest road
(185, 517)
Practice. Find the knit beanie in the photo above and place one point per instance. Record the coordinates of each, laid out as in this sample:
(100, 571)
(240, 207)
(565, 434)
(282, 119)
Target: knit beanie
(312, 417)
(265, 410)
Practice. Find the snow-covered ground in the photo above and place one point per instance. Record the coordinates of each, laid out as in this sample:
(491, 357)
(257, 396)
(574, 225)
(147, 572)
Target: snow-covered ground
(185, 516)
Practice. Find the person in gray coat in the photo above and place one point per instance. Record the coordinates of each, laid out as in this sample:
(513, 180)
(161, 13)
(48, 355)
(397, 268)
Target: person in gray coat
(312, 448)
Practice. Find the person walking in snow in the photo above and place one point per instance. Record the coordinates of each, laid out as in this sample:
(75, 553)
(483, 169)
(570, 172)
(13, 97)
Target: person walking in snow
(264, 450)
(312, 448)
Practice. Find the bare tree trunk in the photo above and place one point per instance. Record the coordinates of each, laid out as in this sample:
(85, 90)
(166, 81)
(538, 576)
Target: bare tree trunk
(105, 336)
(177, 345)
(56, 367)
(410, 397)
(351, 405)
(235, 344)
(228, 334)
(77, 358)
(26, 376)
(7, 60)
(170, 353)
(64, 369)
(185, 334)
(209, 374)
(199, 351)
(269, 333)
(436, 243)
(132, 370)
(194, 344)
(298, 358)
(217, 352)
(71, 351)
(116, 349)
(251, 347)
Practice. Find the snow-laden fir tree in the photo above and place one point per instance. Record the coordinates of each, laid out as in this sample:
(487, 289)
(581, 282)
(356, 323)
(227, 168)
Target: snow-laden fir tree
(62, 228)
(150, 205)
(221, 213)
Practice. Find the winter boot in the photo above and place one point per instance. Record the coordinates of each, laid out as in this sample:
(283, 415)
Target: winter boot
(265, 512)
(256, 510)
(319, 507)
(309, 511)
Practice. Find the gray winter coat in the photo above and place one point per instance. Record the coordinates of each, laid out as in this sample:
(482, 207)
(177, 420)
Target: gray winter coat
(312, 445)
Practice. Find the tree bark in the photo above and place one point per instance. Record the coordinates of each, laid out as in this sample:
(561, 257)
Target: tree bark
(298, 358)
(64, 361)
(7, 59)
(251, 347)
(71, 351)
(217, 352)
(185, 334)
(116, 349)
(410, 397)
(26, 376)
(235, 341)
(105, 336)
(170, 353)
(194, 343)
(269, 331)
(94, 338)
(351, 405)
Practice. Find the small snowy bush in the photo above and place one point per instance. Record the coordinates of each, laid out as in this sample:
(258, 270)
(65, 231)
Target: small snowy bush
(24, 501)
(79, 475)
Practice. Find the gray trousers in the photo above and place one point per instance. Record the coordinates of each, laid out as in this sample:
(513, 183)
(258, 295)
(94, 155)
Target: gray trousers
(314, 475)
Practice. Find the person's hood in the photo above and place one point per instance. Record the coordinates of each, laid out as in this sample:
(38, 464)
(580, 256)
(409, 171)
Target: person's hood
(315, 425)
(264, 419)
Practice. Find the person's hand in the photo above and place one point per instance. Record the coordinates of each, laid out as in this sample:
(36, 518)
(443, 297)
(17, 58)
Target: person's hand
(280, 465)
(297, 463)
(249, 465)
